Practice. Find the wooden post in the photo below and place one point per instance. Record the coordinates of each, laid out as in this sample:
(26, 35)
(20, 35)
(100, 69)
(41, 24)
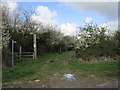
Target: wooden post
(33, 55)
(12, 53)
(20, 53)
(35, 48)
(60, 49)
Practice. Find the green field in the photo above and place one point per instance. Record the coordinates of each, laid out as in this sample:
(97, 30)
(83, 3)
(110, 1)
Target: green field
(52, 63)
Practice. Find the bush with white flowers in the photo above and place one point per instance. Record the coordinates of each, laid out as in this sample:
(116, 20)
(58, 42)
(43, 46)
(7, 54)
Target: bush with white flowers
(90, 35)
(5, 38)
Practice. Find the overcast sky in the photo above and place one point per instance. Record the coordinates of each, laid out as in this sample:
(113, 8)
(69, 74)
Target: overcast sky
(68, 15)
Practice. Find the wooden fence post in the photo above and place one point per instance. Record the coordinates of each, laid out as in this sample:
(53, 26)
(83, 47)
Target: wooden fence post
(35, 47)
(20, 52)
(33, 55)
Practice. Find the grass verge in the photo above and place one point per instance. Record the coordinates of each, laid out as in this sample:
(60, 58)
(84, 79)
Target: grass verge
(37, 69)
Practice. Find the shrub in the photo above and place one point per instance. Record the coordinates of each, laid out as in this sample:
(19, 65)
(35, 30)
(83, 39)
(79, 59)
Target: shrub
(93, 43)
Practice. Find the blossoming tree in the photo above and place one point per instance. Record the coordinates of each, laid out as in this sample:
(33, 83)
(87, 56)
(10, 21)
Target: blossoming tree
(91, 35)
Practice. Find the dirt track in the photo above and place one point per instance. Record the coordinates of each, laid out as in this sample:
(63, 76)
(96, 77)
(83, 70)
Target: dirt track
(58, 82)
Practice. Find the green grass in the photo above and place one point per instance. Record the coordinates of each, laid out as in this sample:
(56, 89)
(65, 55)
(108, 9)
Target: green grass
(50, 56)
(101, 68)
(36, 69)
(55, 66)
(20, 70)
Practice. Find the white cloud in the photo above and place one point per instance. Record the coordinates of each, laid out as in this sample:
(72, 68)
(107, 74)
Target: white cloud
(109, 10)
(68, 29)
(88, 20)
(113, 25)
(67, 0)
(110, 32)
(44, 15)
(87, 0)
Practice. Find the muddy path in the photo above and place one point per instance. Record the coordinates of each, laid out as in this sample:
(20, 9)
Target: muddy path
(57, 81)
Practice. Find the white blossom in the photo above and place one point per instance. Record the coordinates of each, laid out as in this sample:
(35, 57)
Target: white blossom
(5, 38)
(88, 38)
(103, 26)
